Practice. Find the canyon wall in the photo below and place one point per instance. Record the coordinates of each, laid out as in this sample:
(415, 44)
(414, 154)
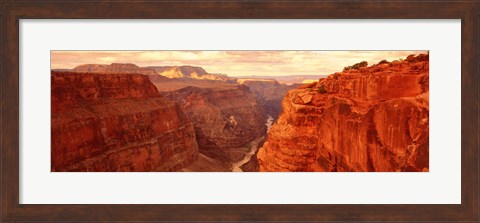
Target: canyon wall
(225, 117)
(116, 122)
(364, 119)
(270, 93)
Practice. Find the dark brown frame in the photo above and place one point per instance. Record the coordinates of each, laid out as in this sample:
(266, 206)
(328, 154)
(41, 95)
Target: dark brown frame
(12, 11)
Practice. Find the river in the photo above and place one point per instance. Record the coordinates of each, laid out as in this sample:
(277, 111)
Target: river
(253, 148)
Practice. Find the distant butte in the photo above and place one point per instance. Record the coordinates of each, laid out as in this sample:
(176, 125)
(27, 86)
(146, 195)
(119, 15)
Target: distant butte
(117, 68)
(188, 72)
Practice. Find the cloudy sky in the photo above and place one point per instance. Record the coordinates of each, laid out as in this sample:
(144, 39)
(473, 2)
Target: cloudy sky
(233, 63)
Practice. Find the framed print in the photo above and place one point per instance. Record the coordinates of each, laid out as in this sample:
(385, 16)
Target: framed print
(239, 111)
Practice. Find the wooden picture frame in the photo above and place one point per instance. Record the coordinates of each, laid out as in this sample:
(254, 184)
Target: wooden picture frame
(12, 11)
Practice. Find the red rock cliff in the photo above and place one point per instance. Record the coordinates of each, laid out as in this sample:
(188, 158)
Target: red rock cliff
(225, 116)
(116, 122)
(365, 119)
(270, 93)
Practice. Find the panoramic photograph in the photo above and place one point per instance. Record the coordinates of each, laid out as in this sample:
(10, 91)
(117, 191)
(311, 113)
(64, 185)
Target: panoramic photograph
(239, 111)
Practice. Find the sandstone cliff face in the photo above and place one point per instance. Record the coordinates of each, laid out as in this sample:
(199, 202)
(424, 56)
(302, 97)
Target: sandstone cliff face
(188, 72)
(270, 93)
(368, 119)
(224, 117)
(116, 122)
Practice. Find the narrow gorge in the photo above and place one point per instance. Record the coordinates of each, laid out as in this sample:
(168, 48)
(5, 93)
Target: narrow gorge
(227, 117)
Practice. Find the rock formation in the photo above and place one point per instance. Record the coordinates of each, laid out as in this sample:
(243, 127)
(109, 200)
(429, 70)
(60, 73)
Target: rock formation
(284, 79)
(269, 93)
(362, 119)
(225, 117)
(189, 72)
(114, 68)
(252, 165)
(116, 122)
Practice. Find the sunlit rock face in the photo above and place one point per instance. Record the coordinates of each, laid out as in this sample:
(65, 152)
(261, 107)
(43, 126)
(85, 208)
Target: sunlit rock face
(366, 119)
(189, 72)
(116, 122)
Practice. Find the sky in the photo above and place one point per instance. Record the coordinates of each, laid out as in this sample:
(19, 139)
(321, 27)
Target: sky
(233, 63)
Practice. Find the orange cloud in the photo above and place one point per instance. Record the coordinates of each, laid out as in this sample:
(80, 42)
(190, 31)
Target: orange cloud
(233, 63)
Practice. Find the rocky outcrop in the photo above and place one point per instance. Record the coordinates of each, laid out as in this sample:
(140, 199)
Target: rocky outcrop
(269, 93)
(116, 122)
(225, 117)
(284, 79)
(189, 72)
(362, 119)
(71, 89)
(252, 165)
(179, 71)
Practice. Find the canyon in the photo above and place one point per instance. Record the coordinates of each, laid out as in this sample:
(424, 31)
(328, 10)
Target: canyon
(134, 119)
(226, 118)
(116, 122)
(122, 117)
(269, 93)
(365, 118)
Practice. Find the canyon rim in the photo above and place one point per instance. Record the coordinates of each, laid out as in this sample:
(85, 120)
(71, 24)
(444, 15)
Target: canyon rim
(239, 111)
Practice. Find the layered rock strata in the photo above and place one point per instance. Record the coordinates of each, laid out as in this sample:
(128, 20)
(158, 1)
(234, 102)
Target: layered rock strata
(225, 118)
(270, 93)
(116, 122)
(366, 119)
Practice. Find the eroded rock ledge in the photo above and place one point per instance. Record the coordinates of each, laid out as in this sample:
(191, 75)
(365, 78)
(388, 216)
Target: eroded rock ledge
(117, 122)
(363, 119)
(226, 118)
